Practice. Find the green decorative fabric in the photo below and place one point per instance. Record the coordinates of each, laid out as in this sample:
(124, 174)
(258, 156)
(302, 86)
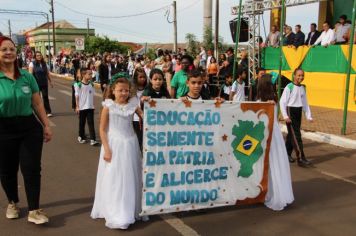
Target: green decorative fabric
(343, 7)
(318, 59)
(270, 59)
(321, 59)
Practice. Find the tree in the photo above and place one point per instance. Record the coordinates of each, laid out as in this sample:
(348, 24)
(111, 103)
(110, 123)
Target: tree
(222, 46)
(208, 38)
(97, 44)
(151, 53)
(192, 44)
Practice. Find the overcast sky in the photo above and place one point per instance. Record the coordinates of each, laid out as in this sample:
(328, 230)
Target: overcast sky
(152, 27)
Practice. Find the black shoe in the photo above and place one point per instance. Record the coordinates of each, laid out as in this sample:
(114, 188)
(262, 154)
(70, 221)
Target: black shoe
(303, 162)
(291, 159)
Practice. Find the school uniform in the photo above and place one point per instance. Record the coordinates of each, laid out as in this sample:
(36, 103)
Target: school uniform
(202, 96)
(21, 138)
(225, 92)
(85, 94)
(150, 92)
(239, 90)
(293, 101)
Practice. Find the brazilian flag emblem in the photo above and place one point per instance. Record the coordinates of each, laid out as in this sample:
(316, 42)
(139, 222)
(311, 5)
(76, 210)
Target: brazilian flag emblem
(247, 145)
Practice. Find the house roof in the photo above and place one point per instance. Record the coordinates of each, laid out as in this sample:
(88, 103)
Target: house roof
(62, 24)
(165, 46)
(133, 46)
(140, 48)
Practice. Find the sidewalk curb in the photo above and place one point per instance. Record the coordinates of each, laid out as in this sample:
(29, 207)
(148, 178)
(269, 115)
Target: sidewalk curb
(325, 138)
(69, 78)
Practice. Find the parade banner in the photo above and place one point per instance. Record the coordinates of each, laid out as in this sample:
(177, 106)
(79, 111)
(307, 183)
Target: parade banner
(204, 154)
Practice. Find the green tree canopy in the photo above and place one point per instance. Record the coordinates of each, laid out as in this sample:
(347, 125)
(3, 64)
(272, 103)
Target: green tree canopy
(97, 44)
(192, 44)
(208, 39)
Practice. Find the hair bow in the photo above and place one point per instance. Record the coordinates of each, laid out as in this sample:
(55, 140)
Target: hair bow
(118, 75)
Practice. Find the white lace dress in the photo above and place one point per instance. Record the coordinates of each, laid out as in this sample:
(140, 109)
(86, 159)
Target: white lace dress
(280, 192)
(119, 183)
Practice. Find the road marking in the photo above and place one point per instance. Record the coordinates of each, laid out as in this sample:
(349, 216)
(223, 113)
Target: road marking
(179, 225)
(70, 93)
(51, 123)
(336, 177)
(65, 92)
(51, 98)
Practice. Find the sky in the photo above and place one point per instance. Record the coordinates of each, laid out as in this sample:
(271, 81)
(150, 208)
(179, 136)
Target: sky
(151, 28)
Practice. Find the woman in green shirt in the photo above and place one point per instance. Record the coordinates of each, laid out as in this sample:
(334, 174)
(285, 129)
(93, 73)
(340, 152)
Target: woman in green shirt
(21, 133)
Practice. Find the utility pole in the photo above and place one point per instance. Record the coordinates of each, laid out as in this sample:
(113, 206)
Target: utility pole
(216, 42)
(208, 19)
(87, 27)
(175, 26)
(9, 28)
(53, 30)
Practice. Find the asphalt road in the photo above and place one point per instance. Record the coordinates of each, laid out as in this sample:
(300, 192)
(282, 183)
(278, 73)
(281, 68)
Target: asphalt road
(325, 195)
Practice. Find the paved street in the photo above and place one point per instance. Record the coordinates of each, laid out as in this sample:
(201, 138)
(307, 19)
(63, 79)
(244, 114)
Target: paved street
(325, 195)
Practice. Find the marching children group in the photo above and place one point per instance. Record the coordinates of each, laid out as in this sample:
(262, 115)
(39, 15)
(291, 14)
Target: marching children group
(118, 185)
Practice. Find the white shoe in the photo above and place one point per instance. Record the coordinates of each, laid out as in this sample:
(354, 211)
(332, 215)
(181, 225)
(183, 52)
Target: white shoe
(93, 142)
(38, 217)
(12, 211)
(80, 140)
(49, 115)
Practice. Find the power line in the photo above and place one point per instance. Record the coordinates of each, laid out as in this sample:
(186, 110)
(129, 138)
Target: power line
(113, 17)
(189, 6)
(122, 31)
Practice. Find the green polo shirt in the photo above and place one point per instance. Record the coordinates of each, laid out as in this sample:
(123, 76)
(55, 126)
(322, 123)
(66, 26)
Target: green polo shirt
(16, 95)
(179, 82)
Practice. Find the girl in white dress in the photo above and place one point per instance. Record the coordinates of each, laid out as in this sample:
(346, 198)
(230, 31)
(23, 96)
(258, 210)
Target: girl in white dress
(119, 182)
(280, 192)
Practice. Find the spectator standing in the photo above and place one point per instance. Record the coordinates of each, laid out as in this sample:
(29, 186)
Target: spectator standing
(97, 64)
(105, 70)
(179, 80)
(327, 37)
(209, 56)
(221, 62)
(40, 71)
(254, 84)
(213, 70)
(244, 60)
(229, 63)
(203, 56)
(342, 30)
(299, 37)
(288, 38)
(273, 37)
(178, 66)
(313, 35)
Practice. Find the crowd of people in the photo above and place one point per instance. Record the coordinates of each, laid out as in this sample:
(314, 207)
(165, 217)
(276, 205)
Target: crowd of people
(178, 77)
(341, 34)
(126, 83)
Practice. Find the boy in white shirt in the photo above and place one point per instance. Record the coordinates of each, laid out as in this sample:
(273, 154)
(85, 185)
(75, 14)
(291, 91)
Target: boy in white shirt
(237, 92)
(84, 97)
(293, 101)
